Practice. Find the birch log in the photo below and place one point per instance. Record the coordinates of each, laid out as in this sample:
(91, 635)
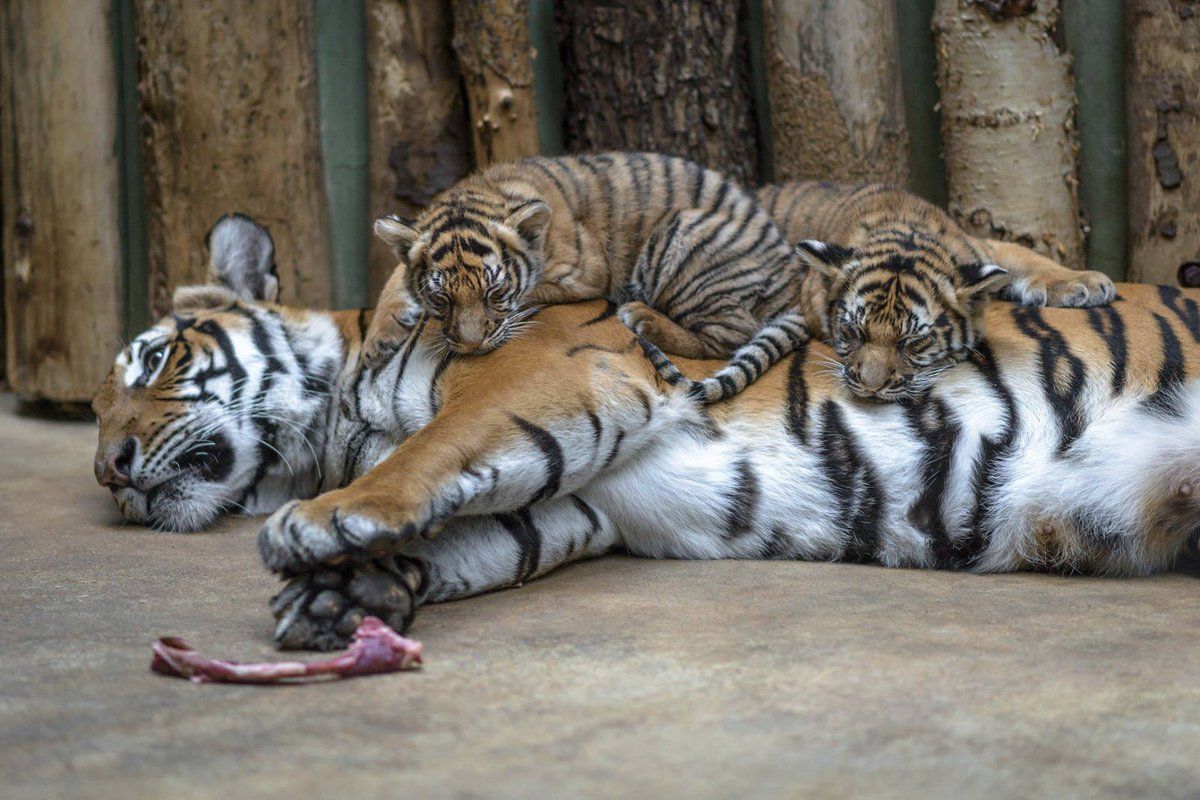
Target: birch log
(491, 39)
(1008, 123)
(1162, 98)
(228, 103)
(833, 78)
(58, 161)
(420, 140)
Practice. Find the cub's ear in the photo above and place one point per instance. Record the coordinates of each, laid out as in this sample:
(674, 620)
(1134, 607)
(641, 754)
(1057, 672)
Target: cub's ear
(979, 281)
(241, 259)
(530, 220)
(397, 233)
(824, 257)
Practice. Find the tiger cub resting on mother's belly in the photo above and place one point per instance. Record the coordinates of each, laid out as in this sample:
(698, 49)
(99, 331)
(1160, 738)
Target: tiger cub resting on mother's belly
(700, 271)
(899, 289)
(1069, 440)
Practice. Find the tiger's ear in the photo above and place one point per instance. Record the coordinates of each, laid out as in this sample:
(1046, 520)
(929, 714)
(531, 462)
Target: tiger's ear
(825, 263)
(241, 259)
(530, 220)
(825, 258)
(397, 233)
(979, 281)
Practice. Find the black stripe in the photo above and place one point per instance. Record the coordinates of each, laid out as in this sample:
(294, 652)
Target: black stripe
(1108, 323)
(519, 525)
(852, 480)
(610, 311)
(742, 502)
(1170, 374)
(1061, 372)
(797, 395)
(551, 451)
(1183, 307)
(592, 518)
(940, 434)
(987, 478)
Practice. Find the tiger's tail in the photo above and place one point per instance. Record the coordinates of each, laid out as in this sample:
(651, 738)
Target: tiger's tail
(775, 339)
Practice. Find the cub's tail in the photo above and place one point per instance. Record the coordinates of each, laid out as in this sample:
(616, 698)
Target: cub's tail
(775, 339)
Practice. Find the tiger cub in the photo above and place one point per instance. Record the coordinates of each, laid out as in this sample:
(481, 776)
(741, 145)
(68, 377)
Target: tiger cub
(899, 289)
(699, 269)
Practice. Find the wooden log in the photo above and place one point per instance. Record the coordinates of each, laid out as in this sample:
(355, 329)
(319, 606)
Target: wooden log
(491, 39)
(665, 75)
(1162, 94)
(58, 159)
(833, 77)
(1008, 124)
(419, 136)
(228, 100)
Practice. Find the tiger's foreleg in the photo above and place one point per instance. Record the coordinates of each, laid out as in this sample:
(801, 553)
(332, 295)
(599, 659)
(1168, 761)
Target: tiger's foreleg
(1040, 281)
(473, 458)
(320, 609)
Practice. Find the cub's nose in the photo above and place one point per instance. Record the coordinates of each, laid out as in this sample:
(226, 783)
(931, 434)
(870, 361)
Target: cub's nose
(114, 467)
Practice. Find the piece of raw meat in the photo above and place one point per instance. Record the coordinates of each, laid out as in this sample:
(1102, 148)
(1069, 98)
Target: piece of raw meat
(375, 648)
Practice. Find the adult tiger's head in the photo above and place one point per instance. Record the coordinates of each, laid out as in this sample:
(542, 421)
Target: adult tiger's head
(221, 405)
(896, 317)
(470, 260)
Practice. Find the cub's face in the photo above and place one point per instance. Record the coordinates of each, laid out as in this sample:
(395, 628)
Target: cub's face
(895, 319)
(470, 264)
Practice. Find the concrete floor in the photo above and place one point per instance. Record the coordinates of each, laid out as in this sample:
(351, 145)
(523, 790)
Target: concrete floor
(619, 676)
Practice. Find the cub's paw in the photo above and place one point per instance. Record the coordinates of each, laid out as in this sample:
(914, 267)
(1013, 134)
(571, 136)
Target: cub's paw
(1076, 290)
(332, 528)
(320, 610)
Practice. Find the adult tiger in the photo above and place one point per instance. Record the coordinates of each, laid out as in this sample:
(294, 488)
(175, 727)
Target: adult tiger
(1071, 441)
(899, 289)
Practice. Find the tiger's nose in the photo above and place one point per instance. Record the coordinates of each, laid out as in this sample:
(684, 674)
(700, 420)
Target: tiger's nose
(874, 377)
(114, 468)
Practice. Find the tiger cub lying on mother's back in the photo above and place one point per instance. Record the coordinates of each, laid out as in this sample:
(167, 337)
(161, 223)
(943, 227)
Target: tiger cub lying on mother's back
(899, 289)
(703, 272)
(700, 271)
(1070, 440)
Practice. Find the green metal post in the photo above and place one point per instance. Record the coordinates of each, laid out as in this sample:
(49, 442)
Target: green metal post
(131, 211)
(547, 77)
(342, 106)
(1095, 36)
(918, 68)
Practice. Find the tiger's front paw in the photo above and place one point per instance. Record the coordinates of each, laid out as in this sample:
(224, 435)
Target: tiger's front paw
(320, 610)
(1076, 290)
(335, 527)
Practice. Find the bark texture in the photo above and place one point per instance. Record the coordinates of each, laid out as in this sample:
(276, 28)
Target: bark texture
(228, 106)
(1162, 97)
(61, 245)
(833, 78)
(671, 76)
(419, 136)
(491, 39)
(1008, 124)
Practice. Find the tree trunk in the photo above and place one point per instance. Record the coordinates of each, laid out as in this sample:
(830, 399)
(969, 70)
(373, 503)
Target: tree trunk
(666, 75)
(418, 124)
(833, 77)
(1163, 112)
(491, 39)
(1008, 123)
(61, 243)
(228, 102)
